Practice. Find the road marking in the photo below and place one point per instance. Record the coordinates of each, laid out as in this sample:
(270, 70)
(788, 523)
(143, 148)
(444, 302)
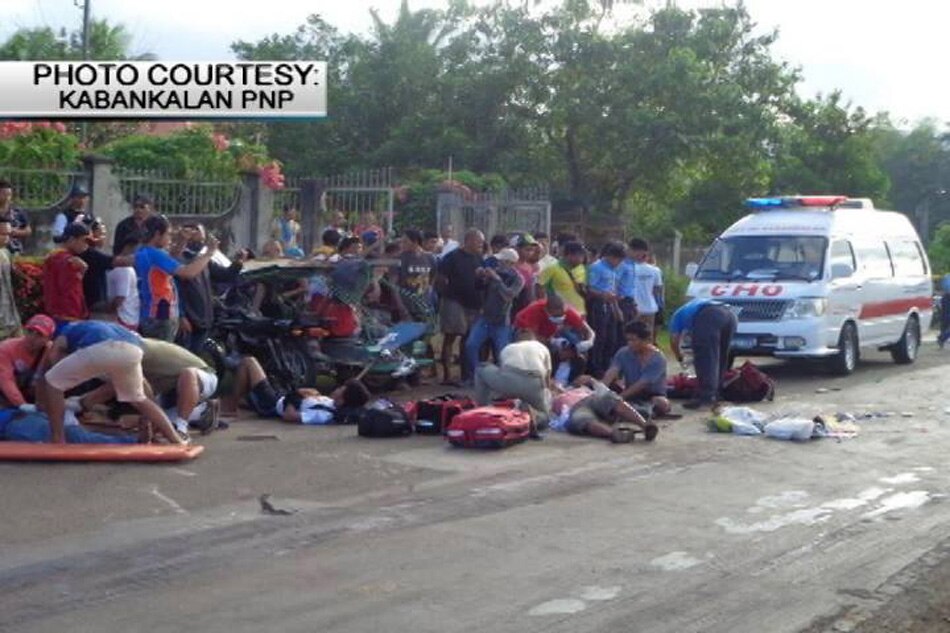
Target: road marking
(864, 497)
(171, 502)
(182, 471)
(903, 478)
(806, 516)
(559, 607)
(675, 561)
(370, 523)
(900, 501)
(787, 499)
(600, 594)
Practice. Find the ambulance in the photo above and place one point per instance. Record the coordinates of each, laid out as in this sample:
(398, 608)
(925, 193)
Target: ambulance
(820, 277)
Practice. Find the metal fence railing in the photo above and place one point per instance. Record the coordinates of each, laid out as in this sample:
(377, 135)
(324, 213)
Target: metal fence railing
(289, 196)
(508, 211)
(174, 196)
(357, 193)
(40, 188)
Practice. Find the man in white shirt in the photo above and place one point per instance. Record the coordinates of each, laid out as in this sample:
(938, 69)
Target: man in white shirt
(547, 259)
(524, 373)
(449, 243)
(648, 283)
(122, 286)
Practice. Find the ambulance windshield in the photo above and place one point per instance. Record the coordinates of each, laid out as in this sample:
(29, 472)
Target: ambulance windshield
(765, 258)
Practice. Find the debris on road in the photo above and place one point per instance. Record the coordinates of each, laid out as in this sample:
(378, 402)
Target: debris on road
(268, 508)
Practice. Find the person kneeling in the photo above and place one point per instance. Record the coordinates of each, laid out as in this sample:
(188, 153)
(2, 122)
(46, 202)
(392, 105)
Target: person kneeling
(641, 368)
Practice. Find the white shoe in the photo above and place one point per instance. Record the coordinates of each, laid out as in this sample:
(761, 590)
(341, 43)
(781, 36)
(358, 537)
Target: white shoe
(74, 404)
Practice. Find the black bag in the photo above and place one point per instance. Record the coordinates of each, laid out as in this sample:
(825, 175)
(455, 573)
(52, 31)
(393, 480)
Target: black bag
(388, 422)
(434, 415)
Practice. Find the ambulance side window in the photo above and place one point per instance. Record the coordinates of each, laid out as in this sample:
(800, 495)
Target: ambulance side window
(842, 255)
(875, 260)
(908, 261)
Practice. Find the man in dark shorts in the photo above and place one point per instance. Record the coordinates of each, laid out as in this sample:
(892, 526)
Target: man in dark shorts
(460, 291)
(251, 385)
(712, 325)
(601, 413)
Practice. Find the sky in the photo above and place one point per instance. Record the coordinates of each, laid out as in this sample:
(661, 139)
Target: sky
(884, 56)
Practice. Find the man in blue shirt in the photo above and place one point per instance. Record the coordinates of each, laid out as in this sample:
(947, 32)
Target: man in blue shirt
(627, 291)
(603, 309)
(156, 270)
(944, 311)
(642, 369)
(84, 350)
(711, 325)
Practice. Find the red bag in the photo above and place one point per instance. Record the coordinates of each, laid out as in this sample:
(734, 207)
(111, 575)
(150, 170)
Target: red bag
(747, 384)
(489, 427)
(682, 387)
(433, 416)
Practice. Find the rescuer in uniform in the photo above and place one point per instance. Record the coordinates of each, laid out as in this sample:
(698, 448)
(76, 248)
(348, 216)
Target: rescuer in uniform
(711, 325)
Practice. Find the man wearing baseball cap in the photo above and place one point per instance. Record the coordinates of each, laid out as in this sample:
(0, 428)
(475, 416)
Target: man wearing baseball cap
(19, 358)
(73, 211)
(494, 324)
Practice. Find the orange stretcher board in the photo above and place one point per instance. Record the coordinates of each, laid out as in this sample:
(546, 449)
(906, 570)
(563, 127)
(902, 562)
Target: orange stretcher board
(40, 452)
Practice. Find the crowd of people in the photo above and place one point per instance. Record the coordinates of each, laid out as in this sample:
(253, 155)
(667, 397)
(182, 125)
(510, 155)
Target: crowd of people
(568, 332)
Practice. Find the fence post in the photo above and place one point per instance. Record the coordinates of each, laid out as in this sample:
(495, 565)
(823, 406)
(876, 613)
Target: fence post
(310, 192)
(106, 199)
(677, 251)
(253, 219)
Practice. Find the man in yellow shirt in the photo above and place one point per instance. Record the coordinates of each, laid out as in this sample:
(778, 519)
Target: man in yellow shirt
(569, 277)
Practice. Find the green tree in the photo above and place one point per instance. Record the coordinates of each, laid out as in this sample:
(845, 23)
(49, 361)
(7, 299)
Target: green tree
(939, 250)
(918, 166)
(106, 42)
(827, 147)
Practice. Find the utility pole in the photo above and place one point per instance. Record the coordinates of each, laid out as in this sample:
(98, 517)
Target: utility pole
(86, 12)
(86, 19)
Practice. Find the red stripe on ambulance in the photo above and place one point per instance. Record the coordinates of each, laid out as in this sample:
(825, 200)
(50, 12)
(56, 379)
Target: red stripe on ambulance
(897, 306)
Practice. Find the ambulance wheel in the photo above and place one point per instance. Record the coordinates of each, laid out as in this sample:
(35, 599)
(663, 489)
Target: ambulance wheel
(905, 351)
(846, 360)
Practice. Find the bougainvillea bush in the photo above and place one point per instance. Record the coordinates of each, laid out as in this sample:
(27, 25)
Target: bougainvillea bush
(28, 286)
(195, 152)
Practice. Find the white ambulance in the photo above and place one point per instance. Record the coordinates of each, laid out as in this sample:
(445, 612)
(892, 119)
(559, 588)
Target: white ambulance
(820, 277)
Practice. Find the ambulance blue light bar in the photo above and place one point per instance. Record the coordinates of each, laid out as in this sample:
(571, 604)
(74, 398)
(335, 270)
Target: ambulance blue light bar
(763, 204)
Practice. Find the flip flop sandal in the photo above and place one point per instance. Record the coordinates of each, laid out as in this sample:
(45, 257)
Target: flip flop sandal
(649, 433)
(621, 435)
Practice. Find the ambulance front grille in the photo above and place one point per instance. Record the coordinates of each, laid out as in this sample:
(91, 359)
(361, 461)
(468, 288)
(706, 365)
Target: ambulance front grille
(760, 309)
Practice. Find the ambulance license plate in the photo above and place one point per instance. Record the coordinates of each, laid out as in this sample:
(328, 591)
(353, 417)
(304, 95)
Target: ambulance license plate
(744, 341)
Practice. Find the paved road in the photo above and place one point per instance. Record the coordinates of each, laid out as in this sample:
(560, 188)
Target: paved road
(696, 532)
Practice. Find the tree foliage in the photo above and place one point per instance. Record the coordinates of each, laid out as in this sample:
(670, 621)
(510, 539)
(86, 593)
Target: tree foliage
(106, 42)
(652, 119)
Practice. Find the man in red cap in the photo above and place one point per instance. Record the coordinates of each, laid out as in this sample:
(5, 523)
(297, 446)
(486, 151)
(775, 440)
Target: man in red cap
(19, 358)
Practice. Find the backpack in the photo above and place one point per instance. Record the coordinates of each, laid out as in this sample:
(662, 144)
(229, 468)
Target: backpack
(388, 421)
(434, 415)
(747, 384)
